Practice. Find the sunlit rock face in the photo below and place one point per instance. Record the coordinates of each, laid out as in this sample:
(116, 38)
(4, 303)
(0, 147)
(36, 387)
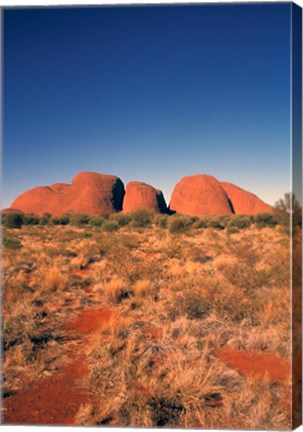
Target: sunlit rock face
(244, 202)
(141, 195)
(200, 195)
(89, 192)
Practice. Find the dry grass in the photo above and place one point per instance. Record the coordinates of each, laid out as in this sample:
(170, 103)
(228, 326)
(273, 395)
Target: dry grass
(176, 299)
(116, 289)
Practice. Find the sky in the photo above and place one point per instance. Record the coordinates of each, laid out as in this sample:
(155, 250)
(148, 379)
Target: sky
(149, 94)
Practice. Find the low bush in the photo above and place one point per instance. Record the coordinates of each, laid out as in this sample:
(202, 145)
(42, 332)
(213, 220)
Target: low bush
(266, 219)
(232, 229)
(240, 221)
(97, 221)
(120, 218)
(161, 220)
(60, 220)
(45, 218)
(110, 225)
(11, 242)
(79, 219)
(200, 223)
(141, 218)
(13, 220)
(179, 224)
(31, 219)
(217, 222)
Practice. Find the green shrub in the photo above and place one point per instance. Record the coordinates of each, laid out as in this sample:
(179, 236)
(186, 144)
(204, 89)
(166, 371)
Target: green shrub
(97, 221)
(240, 221)
(45, 218)
(110, 225)
(225, 219)
(120, 218)
(11, 242)
(55, 220)
(31, 219)
(13, 220)
(60, 220)
(232, 229)
(200, 223)
(217, 222)
(266, 219)
(141, 218)
(79, 219)
(161, 220)
(179, 224)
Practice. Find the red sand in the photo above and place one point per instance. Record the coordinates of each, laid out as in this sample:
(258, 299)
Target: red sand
(258, 363)
(91, 320)
(55, 400)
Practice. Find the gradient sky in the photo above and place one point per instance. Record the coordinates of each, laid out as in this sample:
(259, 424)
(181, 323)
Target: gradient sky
(148, 93)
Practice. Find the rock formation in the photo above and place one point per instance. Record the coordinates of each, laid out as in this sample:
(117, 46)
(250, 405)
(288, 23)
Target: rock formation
(10, 210)
(142, 195)
(200, 195)
(89, 192)
(244, 202)
(96, 194)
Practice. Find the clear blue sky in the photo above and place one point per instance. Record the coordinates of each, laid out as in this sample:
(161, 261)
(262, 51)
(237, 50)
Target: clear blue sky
(149, 94)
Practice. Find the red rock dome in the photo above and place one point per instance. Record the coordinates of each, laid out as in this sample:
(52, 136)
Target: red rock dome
(142, 195)
(200, 195)
(89, 193)
(244, 202)
(10, 210)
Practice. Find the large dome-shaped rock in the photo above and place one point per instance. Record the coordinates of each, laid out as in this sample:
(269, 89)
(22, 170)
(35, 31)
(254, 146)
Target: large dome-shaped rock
(200, 195)
(10, 210)
(94, 193)
(89, 193)
(39, 200)
(244, 202)
(142, 195)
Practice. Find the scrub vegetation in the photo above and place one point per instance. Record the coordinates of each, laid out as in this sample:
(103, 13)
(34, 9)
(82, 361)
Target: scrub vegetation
(146, 320)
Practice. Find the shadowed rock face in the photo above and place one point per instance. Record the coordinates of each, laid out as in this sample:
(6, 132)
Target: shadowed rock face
(142, 195)
(200, 195)
(244, 202)
(89, 192)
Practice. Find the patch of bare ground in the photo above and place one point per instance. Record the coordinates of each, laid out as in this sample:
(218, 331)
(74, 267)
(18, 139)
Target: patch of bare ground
(257, 364)
(51, 401)
(57, 400)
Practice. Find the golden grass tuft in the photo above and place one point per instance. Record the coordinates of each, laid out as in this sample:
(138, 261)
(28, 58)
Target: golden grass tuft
(115, 289)
(142, 287)
(52, 279)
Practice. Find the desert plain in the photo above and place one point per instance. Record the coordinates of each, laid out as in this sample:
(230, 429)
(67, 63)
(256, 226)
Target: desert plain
(145, 319)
